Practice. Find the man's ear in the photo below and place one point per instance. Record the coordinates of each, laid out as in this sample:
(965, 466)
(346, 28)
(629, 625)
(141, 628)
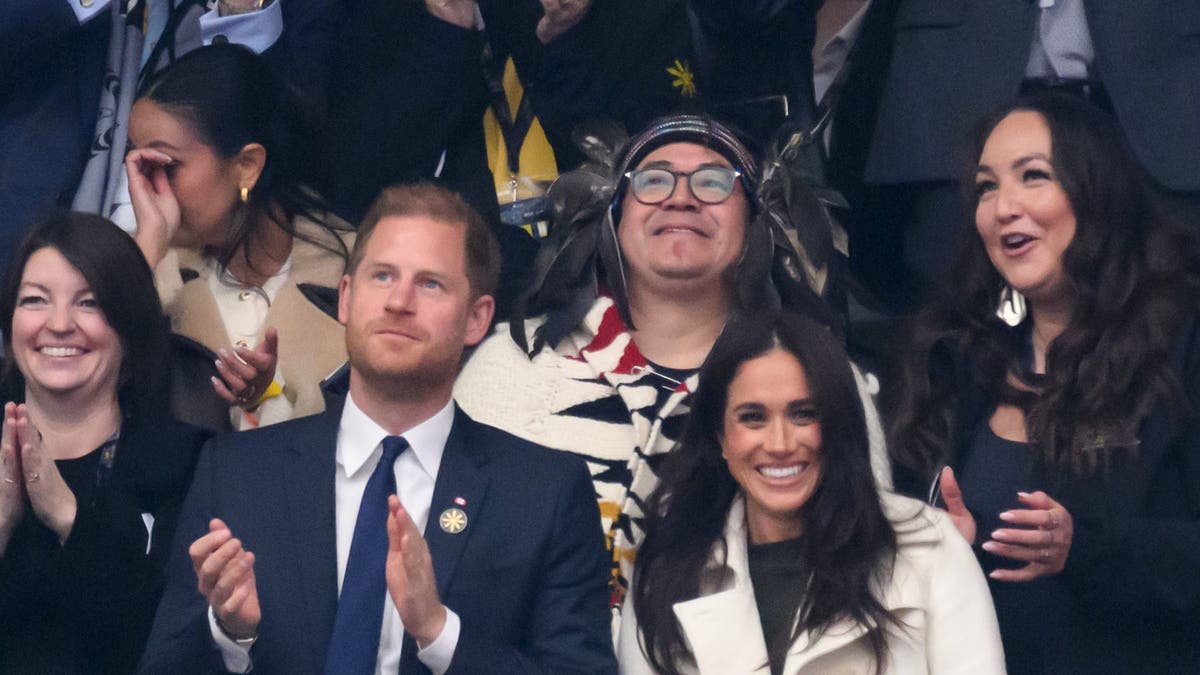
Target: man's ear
(248, 164)
(479, 319)
(343, 299)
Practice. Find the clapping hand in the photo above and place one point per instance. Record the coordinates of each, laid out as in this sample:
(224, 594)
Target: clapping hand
(51, 498)
(247, 373)
(410, 579)
(1041, 536)
(225, 576)
(963, 521)
(154, 204)
(12, 481)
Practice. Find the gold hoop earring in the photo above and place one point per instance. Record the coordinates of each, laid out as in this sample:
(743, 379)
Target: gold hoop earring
(245, 194)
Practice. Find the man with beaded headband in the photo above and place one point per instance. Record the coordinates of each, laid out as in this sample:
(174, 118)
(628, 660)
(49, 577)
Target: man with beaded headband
(658, 240)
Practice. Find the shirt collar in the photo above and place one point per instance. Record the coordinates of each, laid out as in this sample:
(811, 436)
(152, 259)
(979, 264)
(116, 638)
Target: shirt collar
(359, 436)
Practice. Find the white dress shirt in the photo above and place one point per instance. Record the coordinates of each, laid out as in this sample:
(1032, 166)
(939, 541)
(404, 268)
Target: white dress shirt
(359, 447)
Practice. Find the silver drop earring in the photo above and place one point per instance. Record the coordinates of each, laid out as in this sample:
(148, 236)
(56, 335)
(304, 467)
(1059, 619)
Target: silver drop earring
(1011, 309)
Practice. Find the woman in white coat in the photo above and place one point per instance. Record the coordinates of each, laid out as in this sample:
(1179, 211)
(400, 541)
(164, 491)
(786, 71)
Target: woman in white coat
(768, 547)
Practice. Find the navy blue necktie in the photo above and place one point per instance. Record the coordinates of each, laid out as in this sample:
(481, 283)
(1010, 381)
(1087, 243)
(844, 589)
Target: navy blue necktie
(354, 646)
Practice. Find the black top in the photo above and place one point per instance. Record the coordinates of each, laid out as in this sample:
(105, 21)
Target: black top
(994, 470)
(779, 578)
(85, 606)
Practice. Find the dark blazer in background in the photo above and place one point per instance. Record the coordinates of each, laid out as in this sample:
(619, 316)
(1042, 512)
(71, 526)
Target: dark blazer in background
(527, 576)
(51, 71)
(953, 61)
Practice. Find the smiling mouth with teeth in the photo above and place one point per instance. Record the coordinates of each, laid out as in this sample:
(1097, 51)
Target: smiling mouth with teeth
(672, 229)
(783, 471)
(61, 351)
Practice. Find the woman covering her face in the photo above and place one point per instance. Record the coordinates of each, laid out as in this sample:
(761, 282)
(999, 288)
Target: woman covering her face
(1060, 381)
(219, 178)
(93, 469)
(768, 547)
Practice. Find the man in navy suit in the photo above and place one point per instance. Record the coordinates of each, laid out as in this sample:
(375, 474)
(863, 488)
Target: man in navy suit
(510, 573)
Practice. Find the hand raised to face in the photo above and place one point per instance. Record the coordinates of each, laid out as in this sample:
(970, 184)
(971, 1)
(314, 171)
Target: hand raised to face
(154, 203)
(410, 579)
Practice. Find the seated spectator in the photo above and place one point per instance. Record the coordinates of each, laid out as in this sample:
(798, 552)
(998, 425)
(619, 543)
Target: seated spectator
(93, 468)
(238, 242)
(392, 533)
(653, 254)
(69, 70)
(767, 542)
(1059, 380)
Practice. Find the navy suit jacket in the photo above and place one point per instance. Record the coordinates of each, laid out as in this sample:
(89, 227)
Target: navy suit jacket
(527, 576)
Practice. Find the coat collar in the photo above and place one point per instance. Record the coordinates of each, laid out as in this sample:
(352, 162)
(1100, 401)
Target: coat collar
(706, 620)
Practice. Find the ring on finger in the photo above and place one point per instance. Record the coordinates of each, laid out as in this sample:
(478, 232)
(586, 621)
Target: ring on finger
(1045, 554)
(9, 480)
(33, 477)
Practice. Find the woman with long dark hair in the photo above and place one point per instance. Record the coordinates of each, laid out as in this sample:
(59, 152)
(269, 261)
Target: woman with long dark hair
(93, 469)
(1059, 380)
(768, 545)
(221, 181)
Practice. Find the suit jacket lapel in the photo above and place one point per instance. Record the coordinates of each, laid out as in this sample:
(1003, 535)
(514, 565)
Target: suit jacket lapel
(308, 478)
(461, 485)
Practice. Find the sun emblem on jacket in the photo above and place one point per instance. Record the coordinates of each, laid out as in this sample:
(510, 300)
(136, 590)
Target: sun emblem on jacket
(684, 80)
(453, 521)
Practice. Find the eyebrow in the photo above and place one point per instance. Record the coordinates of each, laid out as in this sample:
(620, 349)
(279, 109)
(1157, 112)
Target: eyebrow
(86, 290)
(423, 272)
(161, 144)
(749, 405)
(1018, 163)
(666, 164)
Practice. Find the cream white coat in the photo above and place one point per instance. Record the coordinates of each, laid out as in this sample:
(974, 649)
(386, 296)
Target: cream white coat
(936, 588)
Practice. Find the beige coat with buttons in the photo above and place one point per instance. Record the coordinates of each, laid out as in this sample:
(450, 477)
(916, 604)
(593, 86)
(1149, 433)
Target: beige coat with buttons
(311, 343)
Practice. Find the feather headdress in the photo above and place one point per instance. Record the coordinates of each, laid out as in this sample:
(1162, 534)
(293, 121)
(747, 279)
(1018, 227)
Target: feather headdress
(788, 240)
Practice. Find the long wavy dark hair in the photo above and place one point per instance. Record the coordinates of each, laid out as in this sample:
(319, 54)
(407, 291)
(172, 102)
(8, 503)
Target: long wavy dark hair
(848, 542)
(115, 269)
(1134, 275)
(230, 97)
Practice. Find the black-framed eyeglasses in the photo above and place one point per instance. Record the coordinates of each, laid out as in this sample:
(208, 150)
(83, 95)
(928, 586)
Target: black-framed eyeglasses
(709, 184)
